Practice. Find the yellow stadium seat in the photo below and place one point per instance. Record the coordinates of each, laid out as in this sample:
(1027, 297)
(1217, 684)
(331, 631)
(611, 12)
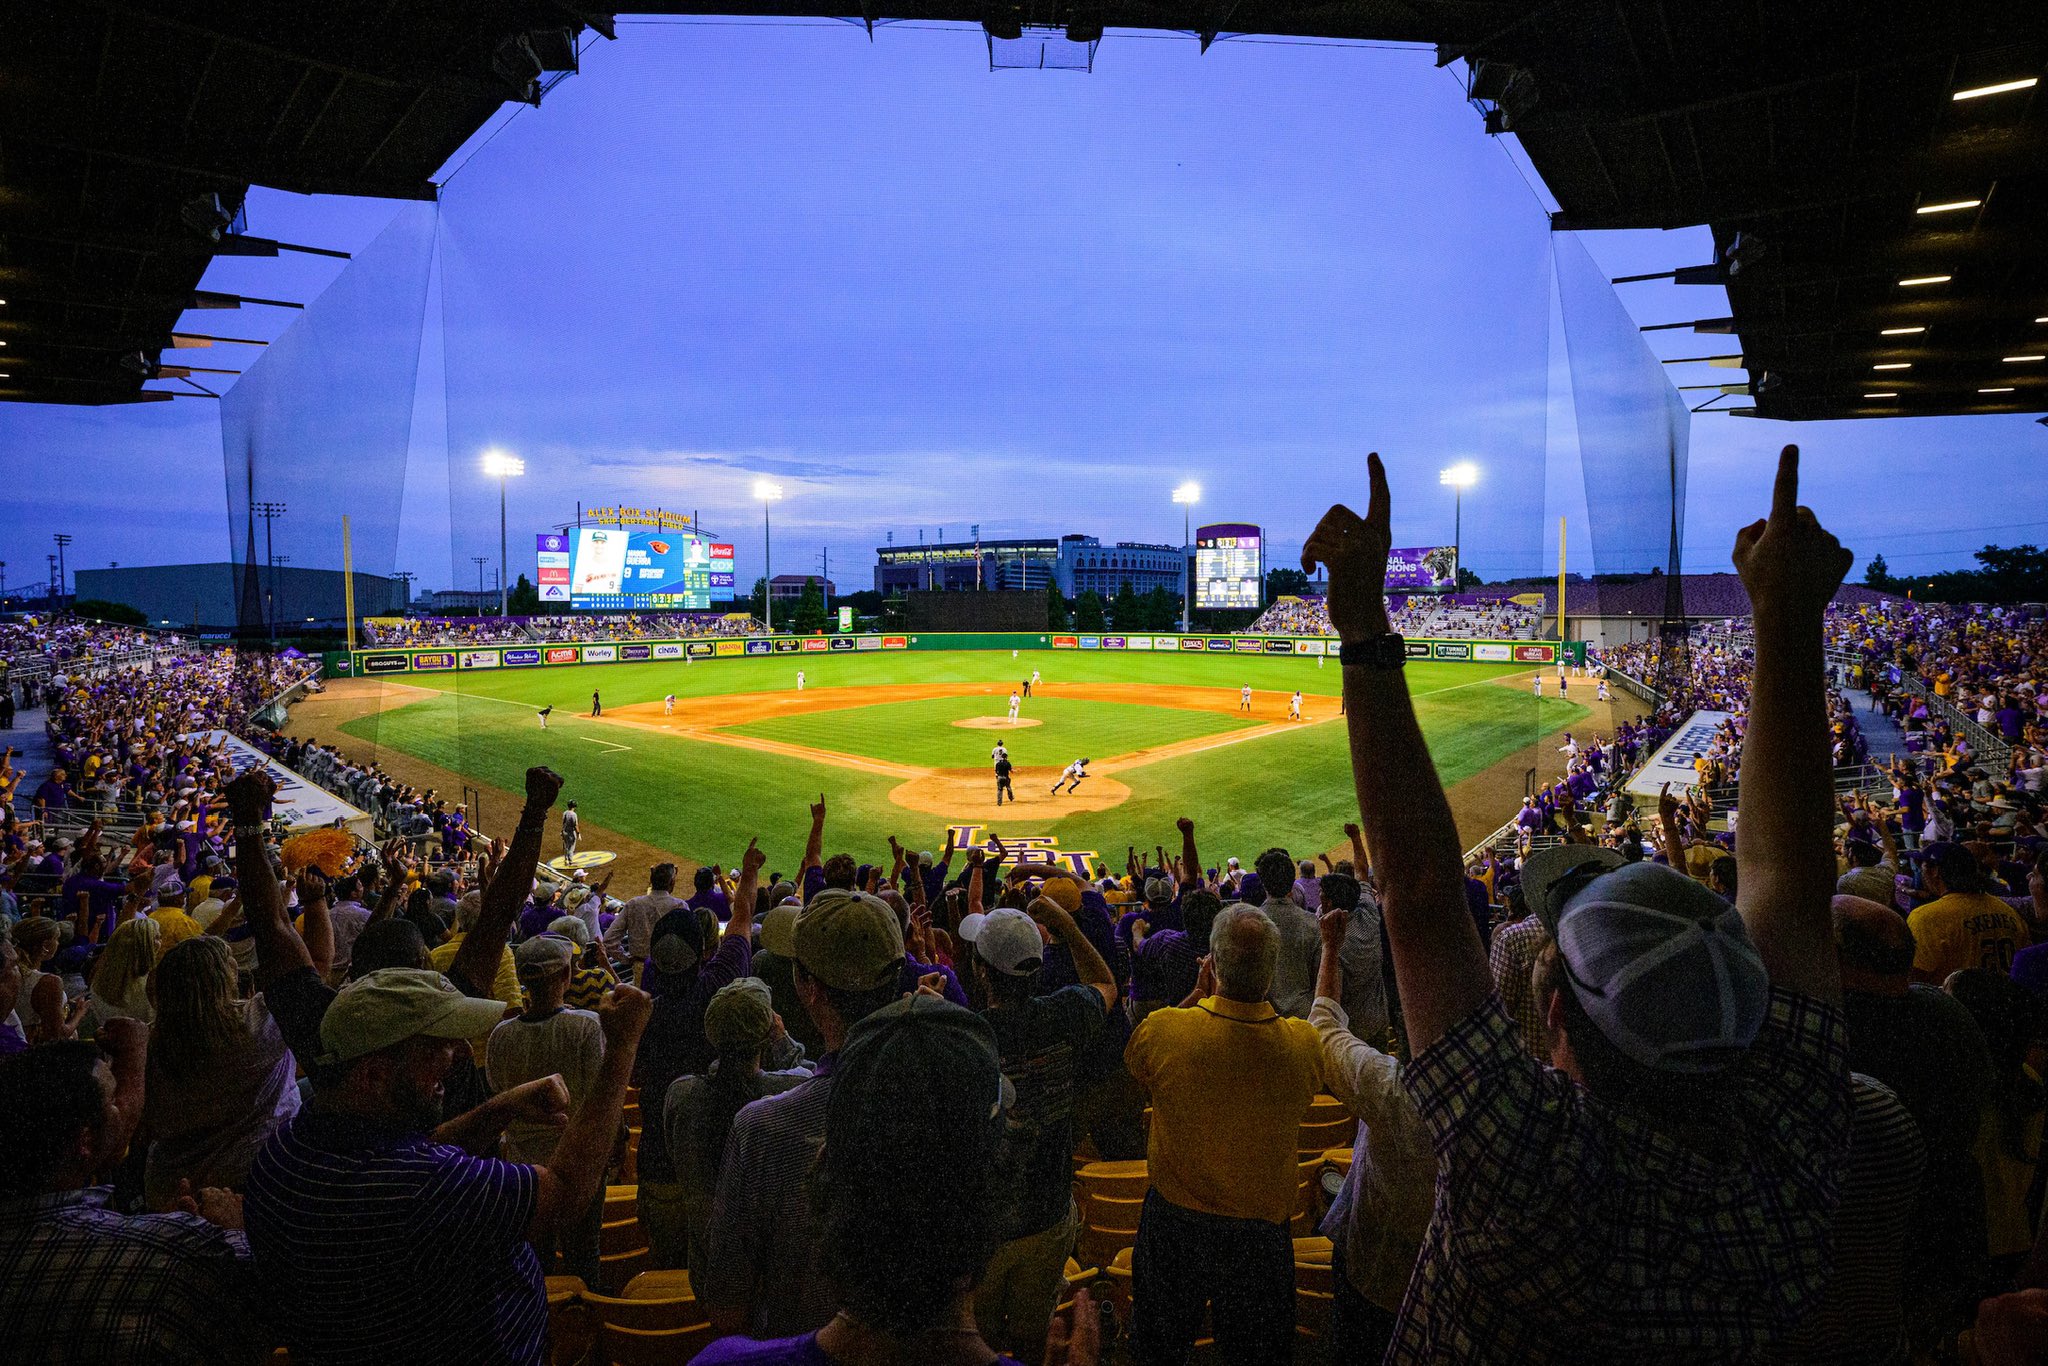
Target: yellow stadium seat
(1340, 1158)
(659, 1285)
(620, 1235)
(1323, 1109)
(1108, 1224)
(621, 1202)
(639, 1347)
(1319, 1136)
(1121, 1180)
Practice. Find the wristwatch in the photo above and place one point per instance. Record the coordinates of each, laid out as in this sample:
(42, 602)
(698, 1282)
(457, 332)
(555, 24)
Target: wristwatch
(1385, 651)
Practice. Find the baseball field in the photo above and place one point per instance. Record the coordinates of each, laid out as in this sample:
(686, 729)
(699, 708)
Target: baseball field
(900, 744)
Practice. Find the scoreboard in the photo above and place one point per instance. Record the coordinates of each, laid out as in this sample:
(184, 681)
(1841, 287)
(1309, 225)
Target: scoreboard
(652, 568)
(1230, 565)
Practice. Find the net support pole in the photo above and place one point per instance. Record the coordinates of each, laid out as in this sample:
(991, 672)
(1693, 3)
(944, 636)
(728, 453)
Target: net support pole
(1560, 587)
(348, 584)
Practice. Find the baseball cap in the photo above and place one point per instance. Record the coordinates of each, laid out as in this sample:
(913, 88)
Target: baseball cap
(849, 940)
(1009, 942)
(917, 1067)
(970, 925)
(1158, 891)
(1064, 891)
(1663, 967)
(678, 941)
(571, 928)
(778, 931)
(739, 1013)
(170, 889)
(391, 1005)
(543, 956)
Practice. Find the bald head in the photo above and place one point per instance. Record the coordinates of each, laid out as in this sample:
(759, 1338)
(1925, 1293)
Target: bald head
(1245, 944)
(1875, 946)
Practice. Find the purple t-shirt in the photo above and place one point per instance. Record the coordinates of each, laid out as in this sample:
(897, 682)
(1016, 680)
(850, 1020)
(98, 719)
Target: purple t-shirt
(803, 1351)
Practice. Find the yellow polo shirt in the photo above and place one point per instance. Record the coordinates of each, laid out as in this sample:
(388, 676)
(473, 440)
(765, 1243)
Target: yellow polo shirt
(1965, 930)
(177, 927)
(1230, 1083)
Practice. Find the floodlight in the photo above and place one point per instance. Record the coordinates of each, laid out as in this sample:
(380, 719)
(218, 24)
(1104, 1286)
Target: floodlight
(1462, 475)
(767, 490)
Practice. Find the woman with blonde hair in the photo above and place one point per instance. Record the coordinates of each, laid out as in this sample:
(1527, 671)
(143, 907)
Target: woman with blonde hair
(219, 1079)
(120, 980)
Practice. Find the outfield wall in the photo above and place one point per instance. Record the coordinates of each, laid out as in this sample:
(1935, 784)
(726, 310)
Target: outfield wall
(376, 663)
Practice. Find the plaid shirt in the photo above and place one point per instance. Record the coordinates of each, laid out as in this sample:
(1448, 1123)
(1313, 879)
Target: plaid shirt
(84, 1284)
(1569, 1231)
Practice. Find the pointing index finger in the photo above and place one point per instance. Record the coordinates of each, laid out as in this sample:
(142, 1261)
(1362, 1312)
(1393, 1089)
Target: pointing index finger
(1785, 492)
(1379, 511)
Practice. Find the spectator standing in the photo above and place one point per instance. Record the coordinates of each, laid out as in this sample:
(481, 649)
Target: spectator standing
(1294, 970)
(1965, 926)
(630, 937)
(1213, 1232)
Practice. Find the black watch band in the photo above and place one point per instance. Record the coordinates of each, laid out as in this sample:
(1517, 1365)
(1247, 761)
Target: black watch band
(1388, 651)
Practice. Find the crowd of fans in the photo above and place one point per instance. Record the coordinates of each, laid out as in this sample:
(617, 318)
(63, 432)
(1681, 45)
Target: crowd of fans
(1485, 619)
(55, 642)
(454, 632)
(1649, 1092)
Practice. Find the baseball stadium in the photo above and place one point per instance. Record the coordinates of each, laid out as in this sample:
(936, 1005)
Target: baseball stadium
(1041, 683)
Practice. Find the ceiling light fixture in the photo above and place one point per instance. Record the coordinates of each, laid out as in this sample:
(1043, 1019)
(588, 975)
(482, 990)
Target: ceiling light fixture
(1900, 331)
(1889, 393)
(2003, 87)
(1927, 279)
(2020, 360)
(1894, 365)
(1950, 206)
(2004, 390)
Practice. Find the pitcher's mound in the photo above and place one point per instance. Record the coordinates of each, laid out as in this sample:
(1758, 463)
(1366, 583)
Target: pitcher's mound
(969, 794)
(996, 723)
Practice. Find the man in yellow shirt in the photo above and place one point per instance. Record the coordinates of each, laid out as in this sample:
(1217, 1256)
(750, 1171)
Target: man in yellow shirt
(1230, 1080)
(170, 914)
(1964, 926)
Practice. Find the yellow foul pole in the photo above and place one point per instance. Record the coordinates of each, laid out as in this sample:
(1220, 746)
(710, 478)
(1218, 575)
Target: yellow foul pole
(348, 583)
(1560, 588)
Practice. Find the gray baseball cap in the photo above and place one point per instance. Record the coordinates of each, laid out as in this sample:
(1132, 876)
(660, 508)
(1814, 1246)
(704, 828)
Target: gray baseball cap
(1008, 941)
(849, 940)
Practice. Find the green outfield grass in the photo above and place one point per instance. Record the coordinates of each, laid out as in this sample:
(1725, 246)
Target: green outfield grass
(704, 801)
(924, 733)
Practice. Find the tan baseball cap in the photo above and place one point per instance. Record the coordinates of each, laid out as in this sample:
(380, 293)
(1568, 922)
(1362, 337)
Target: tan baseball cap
(740, 1013)
(849, 940)
(391, 1005)
(778, 931)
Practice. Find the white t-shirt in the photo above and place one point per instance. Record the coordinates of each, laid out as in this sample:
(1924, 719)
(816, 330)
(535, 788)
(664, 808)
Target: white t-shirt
(569, 1042)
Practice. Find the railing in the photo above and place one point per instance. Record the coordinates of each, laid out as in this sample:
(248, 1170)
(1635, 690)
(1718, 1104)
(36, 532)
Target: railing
(1849, 778)
(1990, 746)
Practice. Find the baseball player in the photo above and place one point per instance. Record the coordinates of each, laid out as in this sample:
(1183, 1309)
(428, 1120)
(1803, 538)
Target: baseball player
(543, 715)
(1003, 766)
(1034, 677)
(1538, 684)
(1001, 751)
(1600, 690)
(1244, 698)
(1563, 684)
(1014, 703)
(799, 680)
(1294, 706)
(596, 703)
(1071, 777)
(668, 705)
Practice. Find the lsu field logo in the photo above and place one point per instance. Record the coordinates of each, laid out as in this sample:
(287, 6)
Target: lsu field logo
(1031, 848)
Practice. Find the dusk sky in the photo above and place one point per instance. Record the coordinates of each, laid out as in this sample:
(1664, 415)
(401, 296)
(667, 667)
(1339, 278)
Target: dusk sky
(921, 294)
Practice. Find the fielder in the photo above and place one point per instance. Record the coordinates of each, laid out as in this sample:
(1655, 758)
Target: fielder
(1244, 698)
(1014, 703)
(668, 705)
(1294, 706)
(1034, 678)
(1071, 778)
(543, 715)
(1539, 685)
(799, 680)
(1600, 690)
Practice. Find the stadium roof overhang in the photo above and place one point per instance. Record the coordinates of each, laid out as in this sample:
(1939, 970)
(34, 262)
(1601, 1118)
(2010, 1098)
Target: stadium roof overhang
(1809, 137)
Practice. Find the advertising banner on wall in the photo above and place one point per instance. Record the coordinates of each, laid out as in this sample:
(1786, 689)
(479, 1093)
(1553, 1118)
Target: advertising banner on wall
(1493, 651)
(701, 649)
(479, 659)
(671, 649)
(434, 661)
(600, 654)
(869, 642)
(1672, 763)
(520, 656)
(302, 805)
(561, 654)
(755, 647)
(636, 652)
(386, 664)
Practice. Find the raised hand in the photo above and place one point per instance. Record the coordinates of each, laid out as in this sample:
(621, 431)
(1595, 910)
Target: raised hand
(543, 785)
(1185, 826)
(544, 1100)
(754, 859)
(1354, 550)
(1332, 925)
(1788, 561)
(623, 1014)
(818, 810)
(249, 795)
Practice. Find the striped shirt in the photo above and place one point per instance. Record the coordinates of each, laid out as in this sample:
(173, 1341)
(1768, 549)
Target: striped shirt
(84, 1284)
(388, 1248)
(766, 1245)
(1568, 1230)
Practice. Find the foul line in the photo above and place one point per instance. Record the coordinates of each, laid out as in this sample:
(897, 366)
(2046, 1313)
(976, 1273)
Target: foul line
(606, 743)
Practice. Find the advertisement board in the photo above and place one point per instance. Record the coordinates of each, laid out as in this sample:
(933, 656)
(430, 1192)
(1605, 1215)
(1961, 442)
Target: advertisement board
(1453, 649)
(1221, 645)
(846, 620)
(814, 644)
(1113, 642)
(669, 649)
(386, 664)
(520, 656)
(1535, 654)
(728, 647)
(755, 647)
(600, 654)
(1194, 643)
(1493, 651)
(1672, 763)
(479, 659)
(785, 646)
(561, 654)
(1138, 643)
(300, 804)
(701, 649)
(1091, 642)
(1277, 647)
(1422, 569)
(1066, 642)
(1230, 565)
(1416, 649)
(1309, 647)
(841, 642)
(895, 642)
(433, 661)
(636, 652)
(869, 642)
(551, 566)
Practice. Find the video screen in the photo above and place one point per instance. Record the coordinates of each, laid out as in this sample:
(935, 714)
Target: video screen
(613, 567)
(1229, 567)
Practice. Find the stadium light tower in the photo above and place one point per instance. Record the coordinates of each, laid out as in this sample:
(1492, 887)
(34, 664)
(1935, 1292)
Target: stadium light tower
(503, 467)
(768, 491)
(1187, 495)
(1459, 477)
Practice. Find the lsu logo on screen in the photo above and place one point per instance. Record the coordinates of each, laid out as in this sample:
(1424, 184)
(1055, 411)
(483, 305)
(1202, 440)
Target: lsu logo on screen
(841, 643)
(668, 650)
(869, 642)
(386, 664)
(700, 649)
(1278, 647)
(479, 659)
(1453, 649)
(784, 647)
(562, 654)
(1416, 649)
(1113, 642)
(600, 654)
(1492, 650)
(814, 645)
(1066, 642)
(728, 648)
(895, 642)
(636, 652)
(1194, 643)
(1091, 642)
(438, 660)
(1535, 654)
(512, 657)
(755, 647)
